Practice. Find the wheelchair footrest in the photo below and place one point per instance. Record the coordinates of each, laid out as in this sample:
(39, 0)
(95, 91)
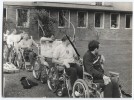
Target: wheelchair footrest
(27, 63)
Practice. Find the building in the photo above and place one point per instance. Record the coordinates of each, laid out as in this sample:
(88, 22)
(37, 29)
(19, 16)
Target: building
(103, 20)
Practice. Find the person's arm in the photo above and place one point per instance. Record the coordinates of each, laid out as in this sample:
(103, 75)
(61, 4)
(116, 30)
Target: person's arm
(56, 55)
(43, 39)
(21, 45)
(88, 64)
(34, 43)
(57, 61)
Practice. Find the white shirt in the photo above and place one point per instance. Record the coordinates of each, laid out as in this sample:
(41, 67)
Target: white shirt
(55, 44)
(46, 49)
(27, 43)
(13, 39)
(63, 53)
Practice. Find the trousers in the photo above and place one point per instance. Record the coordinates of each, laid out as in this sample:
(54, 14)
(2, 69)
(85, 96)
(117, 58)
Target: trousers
(111, 90)
(75, 71)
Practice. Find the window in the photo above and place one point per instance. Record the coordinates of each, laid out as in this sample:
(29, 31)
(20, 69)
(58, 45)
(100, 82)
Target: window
(63, 19)
(82, 19)
(99, 20)
(23, 18)
(128, 21)
(115, 21)
(98, 3)
(4, 13)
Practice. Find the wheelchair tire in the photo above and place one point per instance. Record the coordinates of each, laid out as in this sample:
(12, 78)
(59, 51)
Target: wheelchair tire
(5, 52)
(43, 76)
(89, 92)
(77, 89)
(36, 70)
(11, 55)
(52, 80)
(19, 61)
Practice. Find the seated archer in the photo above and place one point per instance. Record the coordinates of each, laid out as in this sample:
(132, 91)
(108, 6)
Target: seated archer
(92, 64)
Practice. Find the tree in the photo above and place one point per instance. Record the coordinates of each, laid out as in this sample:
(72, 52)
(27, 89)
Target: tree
(45, 22)
(8, 25)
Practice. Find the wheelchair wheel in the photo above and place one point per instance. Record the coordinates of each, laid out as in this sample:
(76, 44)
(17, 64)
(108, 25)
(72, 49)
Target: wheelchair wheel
(43, 76)
(80, 89)
(5, 52)
(19, 60)
(52, 80)
(36, 70)
(11, 56)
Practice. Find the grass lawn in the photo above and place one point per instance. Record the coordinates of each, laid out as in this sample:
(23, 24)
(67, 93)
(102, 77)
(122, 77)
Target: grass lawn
(118, 55)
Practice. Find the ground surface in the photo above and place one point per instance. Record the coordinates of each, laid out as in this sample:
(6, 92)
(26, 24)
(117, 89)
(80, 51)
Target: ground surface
(13, 87)
(118, 56)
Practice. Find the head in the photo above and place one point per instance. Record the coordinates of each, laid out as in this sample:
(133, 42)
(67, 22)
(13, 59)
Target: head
(7, 32)
(93, 46)
(26, 37)
(14, 31)
(65, 41)
(52, 37)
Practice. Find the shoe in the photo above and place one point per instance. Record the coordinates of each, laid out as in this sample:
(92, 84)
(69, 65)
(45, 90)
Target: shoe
(77, 94)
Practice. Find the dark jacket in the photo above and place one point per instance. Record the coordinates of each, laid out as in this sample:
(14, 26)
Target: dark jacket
(95, 70)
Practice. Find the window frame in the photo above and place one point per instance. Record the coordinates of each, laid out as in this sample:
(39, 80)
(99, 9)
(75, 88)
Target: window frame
(125, 21)
(118, 21)
(6, 13)
(102, 3)
(68, 26)
(28, 21)
(103, 22)
(86, 19)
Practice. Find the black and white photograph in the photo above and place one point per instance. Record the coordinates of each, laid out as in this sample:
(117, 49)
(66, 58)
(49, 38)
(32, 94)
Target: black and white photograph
(67, 49)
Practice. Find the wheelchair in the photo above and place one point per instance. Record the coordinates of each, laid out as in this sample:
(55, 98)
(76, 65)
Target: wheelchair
(58, 81)
(23, 61)
(87, 88)
(40, 67)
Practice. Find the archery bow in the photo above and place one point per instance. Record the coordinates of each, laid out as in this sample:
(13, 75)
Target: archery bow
(41, 27)
(71, 24)
(73, 46)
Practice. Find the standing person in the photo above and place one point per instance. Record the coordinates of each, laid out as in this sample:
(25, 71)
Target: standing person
(12, 41)
(65, 55)
(26, 44)
(6, 50)
(111, 87)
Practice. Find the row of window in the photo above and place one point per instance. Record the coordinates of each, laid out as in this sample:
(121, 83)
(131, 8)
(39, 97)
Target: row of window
(82, 20)
(22, 17)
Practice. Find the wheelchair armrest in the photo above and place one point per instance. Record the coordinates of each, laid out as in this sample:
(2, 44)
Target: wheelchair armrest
(113, 74)
(87, 74)
(60, 67)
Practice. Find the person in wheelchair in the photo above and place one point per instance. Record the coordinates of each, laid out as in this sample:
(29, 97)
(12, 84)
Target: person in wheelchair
(26, 45)
(65, 55)
(92, 64)
(12, 40)
(46, 50)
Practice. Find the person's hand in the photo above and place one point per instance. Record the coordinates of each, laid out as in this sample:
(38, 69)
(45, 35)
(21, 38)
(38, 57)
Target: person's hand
(102, 59)
(106, 79)
(29, 48)
(66, 64)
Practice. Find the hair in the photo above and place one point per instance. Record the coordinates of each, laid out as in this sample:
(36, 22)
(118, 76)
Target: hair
(13, 30)
(93, 45)
(64, 38)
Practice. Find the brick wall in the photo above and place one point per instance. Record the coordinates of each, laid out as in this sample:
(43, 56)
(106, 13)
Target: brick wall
(81, 33)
